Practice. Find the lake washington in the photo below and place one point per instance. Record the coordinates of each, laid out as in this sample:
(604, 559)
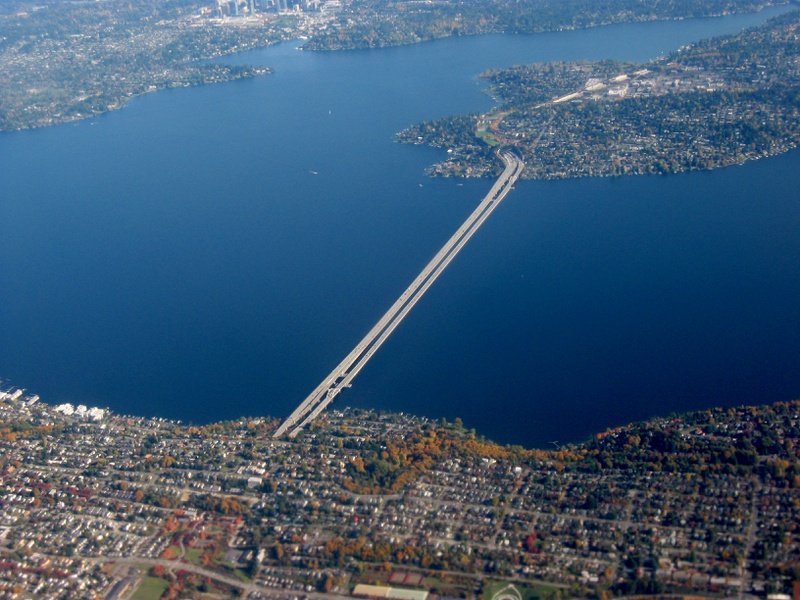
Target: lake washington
(213, 252)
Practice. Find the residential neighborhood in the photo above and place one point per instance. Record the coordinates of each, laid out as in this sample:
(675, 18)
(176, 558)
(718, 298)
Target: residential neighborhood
(713, 104)
(705, 504)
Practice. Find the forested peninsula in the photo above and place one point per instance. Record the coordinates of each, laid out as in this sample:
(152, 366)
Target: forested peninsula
(715, 103)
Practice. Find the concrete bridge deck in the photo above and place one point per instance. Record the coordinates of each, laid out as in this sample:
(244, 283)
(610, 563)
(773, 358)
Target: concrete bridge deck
(342, 376)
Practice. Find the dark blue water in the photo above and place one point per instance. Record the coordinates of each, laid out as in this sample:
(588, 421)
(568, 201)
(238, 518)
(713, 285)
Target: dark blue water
(213, 252)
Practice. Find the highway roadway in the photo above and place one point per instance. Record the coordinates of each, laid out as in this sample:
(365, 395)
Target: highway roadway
(342, 376)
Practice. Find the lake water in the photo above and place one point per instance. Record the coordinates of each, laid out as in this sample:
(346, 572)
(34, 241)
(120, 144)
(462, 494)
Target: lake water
(213, 252)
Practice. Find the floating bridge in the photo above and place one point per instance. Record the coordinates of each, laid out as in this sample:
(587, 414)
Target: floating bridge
(342, 376)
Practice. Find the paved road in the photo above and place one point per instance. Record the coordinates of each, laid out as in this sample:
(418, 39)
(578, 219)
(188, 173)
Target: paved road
(250, 588)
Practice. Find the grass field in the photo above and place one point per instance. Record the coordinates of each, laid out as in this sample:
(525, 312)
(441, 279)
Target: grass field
(529, 592)
(151, 588)
(193, 555)
(488, 138)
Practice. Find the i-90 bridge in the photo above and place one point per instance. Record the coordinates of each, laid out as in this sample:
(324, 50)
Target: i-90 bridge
(342, 376)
